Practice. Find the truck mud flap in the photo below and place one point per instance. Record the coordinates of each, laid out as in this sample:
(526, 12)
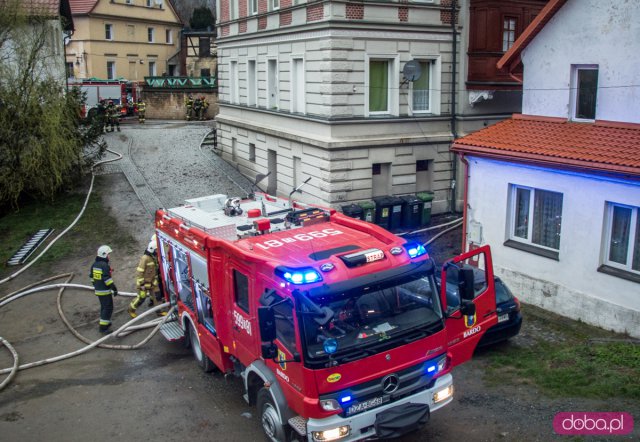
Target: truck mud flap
(401, 420)
(172, 331)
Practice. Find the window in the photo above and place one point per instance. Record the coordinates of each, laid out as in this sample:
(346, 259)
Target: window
(233, 82)
(108, 32)
(536, 217)
(275, 4)
(285, 331)
(151, 35)
(205, 72)
(584, 92)
(172, 70)
(381, 90)
(69, 69)
(111, 70)
(253, 7)
(168, 36)
(252, 152)
(152, 69)
(508, 32)
(297, 86)
(204, 47)
(272, 84)
(252, 84)
(149, 3)
(233, 10)
(622, 247)
(421, 89)
(241, 288)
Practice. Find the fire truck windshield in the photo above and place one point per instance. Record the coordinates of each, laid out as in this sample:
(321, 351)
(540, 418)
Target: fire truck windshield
(368, 319)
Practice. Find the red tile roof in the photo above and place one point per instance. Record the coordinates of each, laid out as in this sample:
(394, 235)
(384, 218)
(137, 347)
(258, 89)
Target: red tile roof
(511, 58)
(46, 7)
(602, 146)
(82, 6)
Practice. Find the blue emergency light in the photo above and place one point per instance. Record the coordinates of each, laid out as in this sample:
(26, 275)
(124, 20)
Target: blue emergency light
(304, 275)
(415, 249)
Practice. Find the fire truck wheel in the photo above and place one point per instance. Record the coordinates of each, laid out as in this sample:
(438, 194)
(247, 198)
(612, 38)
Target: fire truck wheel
(272, 425)
(203, 361)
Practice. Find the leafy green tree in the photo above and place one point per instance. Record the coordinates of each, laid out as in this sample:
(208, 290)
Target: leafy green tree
(44, 147)
(201, 18)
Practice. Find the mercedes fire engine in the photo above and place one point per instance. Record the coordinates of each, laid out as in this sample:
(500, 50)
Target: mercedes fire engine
(338, 328)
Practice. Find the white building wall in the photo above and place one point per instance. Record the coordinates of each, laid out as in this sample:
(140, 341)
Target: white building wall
(571, 286)
(606, 33)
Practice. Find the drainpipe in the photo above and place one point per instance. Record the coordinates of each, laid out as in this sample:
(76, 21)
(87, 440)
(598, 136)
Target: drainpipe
(454, 131)
(464, 202)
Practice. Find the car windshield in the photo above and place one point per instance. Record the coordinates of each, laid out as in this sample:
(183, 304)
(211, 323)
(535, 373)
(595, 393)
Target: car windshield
(367, 320)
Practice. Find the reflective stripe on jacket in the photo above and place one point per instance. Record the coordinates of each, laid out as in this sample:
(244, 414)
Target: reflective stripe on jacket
(147, 272)
(101, 276)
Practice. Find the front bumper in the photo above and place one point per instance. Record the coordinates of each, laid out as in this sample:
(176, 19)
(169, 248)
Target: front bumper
(362, 424)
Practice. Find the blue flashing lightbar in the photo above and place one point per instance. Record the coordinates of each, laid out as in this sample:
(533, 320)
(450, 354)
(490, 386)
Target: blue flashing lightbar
(304, 275)
(415, 249)
(344, 399)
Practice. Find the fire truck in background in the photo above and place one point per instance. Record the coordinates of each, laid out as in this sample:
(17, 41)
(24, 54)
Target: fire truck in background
(338, 328)
(122, 92)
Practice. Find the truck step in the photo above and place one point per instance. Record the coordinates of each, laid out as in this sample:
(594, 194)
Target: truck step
(172, 331)
(299, 424)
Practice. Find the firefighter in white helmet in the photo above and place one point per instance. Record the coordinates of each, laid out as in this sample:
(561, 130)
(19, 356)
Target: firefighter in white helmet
(147, 280)
(104, 286)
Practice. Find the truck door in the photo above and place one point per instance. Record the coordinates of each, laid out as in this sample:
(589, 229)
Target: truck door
(242, 314)
(464, 329)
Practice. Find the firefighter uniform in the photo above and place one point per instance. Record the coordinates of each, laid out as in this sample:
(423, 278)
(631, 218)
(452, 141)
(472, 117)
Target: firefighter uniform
(104, 286)
(147, 280)
(113, 116)
(188, 102)
(141, 107)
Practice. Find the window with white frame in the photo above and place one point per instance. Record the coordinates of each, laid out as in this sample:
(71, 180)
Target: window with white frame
(111, 70)
(108, 31)
(149, 3)
(622, 238)
(233, 82)
(252, 83)
(151, 33)
(297, 86)
(233, 10)
(272, 84)
(168, 36)
(253, 7)
(536, 217)
(275, 4)
(508, 32)
(421, 89)
(152, 69)
(584, 92)
(381, 88)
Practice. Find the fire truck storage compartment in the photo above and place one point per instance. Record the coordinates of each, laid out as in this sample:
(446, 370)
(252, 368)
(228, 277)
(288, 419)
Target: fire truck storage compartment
(388, 212)
(354, 211)
(411, 211)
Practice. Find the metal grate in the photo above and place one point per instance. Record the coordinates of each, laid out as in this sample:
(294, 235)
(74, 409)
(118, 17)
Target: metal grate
(299, 424)
(172, 331)
(29, 247)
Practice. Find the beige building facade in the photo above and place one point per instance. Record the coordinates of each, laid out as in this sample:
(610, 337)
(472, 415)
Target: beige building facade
(127, 39)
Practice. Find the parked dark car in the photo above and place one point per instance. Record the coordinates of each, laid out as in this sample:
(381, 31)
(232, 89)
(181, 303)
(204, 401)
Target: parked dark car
(507, 306)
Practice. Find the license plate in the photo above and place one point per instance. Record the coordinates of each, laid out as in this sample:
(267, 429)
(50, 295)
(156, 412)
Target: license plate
(366, 405)
(503, 318)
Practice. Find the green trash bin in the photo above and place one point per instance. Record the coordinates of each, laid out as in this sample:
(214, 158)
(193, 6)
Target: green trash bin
(368, 210)
(426, 198)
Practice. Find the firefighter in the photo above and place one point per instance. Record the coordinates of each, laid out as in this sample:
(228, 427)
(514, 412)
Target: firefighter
(113, 116)
(205, 106)
(197, 108)
(101, 115)
(141, 108)
(188, 102)
(147, 280)
(104, 286)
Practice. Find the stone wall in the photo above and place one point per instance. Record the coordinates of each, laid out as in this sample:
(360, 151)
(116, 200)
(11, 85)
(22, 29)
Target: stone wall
(165, 104)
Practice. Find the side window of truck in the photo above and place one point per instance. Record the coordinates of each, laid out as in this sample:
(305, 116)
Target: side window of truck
(284, 324)
(241, 289)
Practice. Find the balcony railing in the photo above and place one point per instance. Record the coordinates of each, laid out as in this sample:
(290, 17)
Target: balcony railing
(181, 82)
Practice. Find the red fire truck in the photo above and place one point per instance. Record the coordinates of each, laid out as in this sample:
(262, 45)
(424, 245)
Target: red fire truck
(337, 327)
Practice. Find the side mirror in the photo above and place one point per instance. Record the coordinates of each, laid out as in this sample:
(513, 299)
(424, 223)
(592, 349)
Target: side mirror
(269, 350)
(267, 324)
(468, 308)
(465, 284)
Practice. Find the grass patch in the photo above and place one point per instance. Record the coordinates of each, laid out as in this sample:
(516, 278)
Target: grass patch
(95, 227)
(562, 362)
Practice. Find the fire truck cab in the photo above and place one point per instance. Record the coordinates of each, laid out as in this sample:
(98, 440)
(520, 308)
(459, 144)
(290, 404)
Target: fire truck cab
(337, 327)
